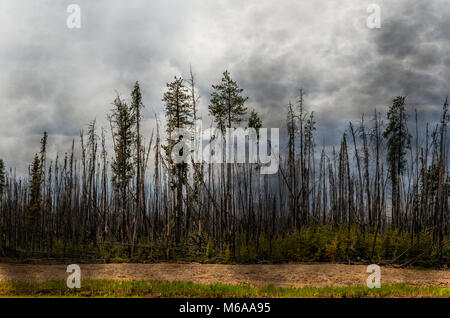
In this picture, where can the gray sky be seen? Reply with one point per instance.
(57, 79)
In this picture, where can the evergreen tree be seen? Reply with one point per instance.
(255, 122)
(177, 106)
(2, 179)
(2, 217)
(292, 181)
(122, 124)
(227, 104)
(178, 115)
(34, 208)
(122, 128)
(43, 153)
(227, 107)
(136, 108)
(398, 140)
(310, 127)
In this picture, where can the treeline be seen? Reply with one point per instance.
(381, 195)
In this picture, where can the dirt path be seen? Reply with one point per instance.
(279, 275)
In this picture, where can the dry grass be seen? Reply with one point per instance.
(296, 275)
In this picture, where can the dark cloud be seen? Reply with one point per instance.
(409, 59)
(58, 80)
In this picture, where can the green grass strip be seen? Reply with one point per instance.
(112, 288)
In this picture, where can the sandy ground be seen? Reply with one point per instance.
(298, 275)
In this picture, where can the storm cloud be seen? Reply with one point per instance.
(57, 79)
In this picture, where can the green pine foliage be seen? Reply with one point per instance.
(227, 103)
(122, 124)
(178, 115)
(2, 177)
